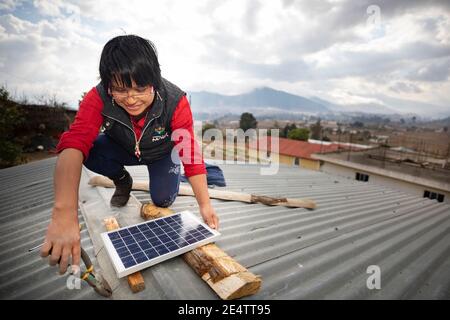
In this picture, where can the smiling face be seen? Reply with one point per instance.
(134, 100)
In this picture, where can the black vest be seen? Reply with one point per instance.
(155, 141)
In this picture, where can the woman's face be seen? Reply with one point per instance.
(133, 100)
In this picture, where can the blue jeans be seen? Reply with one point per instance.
(108, 158)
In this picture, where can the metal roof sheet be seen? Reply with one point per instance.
(325, 253)
(26, 200)
(300, 253)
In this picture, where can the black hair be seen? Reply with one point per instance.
(130, 57)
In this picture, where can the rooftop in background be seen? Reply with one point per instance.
(303, 149)
(396, 160)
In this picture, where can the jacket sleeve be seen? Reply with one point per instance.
(185, 143)
(86, 126)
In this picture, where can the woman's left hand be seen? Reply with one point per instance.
(210, 217)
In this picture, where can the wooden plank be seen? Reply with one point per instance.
(228, 278)
(135, 280)
(186, 190)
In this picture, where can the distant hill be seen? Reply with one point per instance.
(436, 124)
(259, 101)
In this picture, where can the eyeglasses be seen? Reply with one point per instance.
(138, 93)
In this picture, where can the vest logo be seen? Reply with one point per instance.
(159, 134)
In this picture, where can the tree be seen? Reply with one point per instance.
(247, 121)
(358, 124)
(316, 130)
(10, 118)
(299, 134)
(284, 132)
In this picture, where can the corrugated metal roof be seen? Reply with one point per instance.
(26, 200)
(325, 253)
(299, 253)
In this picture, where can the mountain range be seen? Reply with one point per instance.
(260, 101)
(268, 102)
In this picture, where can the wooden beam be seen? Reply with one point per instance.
(228, 278)
(135, 280)
(186, 190)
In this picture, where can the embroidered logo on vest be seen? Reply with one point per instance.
(159, 134)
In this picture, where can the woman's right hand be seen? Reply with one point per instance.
(62, 240)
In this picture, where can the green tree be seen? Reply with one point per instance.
(299, 134)
(247, 121)
(10, 118)
(284, 132)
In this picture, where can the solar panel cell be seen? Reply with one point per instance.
(135, 247)
(140, 257)
(151, 253)
(124, 233)
(128, 261)
(114, 235)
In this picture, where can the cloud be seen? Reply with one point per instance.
(314, 47)
(10, 5)
(43, 58)
(438, 70)
(405, 87)
(48, 7)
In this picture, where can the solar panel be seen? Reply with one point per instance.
(142, 245)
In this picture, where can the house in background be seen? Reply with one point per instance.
(299, 153)
(395, 168)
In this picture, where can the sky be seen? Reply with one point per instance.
(363, 55)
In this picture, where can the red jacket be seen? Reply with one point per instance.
(85, 128)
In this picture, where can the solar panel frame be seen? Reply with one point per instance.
(153, 239)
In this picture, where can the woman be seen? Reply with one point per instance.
(139, 114)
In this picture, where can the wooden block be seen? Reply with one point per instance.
(150, 211)
(200, 266)
(228, 278)
(210, 258)
(135, 280)
(235, 286)
(213, 251)
(111, 224)
(224, 267)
